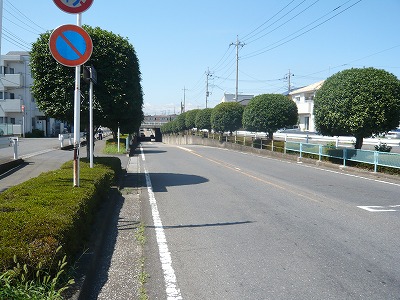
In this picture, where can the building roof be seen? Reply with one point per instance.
(23, 53)
(309, 88)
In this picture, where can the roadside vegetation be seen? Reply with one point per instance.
(46, 224)
(355, 102)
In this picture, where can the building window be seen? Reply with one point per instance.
(12, 120)
(1, 120)
(306, 123)
(297, 98)
(33, 122)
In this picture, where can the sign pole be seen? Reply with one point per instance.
(77, 110)
(91, 117)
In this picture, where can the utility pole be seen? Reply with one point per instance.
(288, 76)
(237, 44)
(184, 99)
(208, 74)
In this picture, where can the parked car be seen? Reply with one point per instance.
(393, 134)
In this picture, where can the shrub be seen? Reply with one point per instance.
(46, 212)
(36, 133)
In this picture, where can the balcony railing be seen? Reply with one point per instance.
(11, 105)
(12, 80)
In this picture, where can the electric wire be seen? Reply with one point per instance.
(25, 16)
(284, 23)
(271, 47)
(245, 37)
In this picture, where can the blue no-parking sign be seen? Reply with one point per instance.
(70, 45)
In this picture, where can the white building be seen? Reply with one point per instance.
(304, 99)
(18, 108)
(242, 99)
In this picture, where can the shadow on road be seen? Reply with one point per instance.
(160, 181)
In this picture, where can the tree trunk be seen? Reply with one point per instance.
(270, 135)
(359, 142)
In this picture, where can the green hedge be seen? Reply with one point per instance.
(46, 212)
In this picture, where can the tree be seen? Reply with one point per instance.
(190, 118)
(203, 119)
(358, 102)
(118, 96)
(227, 116)
(179, 123)
(269, 112)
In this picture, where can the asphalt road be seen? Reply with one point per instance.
(40, 155)
(230, 225)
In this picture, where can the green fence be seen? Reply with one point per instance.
(375, 158)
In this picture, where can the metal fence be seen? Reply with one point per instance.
(10, 129)
(375, 158)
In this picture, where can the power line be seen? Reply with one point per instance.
(284, 23)
(16, 24)
(245, 37)
(271, 47)
(14, 37)
(26, 17)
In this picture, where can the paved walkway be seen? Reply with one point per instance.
(112, 265)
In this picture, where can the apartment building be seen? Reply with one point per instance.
(18, 111)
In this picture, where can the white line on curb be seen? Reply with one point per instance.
(172, 290)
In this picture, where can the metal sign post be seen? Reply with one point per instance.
(71, 46)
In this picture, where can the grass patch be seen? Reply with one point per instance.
(112, 146)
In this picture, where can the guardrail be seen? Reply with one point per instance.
(375, 158)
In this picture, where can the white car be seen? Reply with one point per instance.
(393, 134)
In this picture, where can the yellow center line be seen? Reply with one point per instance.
(236, 169)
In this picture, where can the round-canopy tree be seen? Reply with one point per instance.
(358, 102)
(118, 96)
(269, 112)
(227, 116)
(190, 118)
(203, 119)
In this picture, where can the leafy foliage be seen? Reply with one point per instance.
(269, 112)
(203, 119)
(179, 124)
(118, 96)
(190, 118)
(227, 116)
(358, 102)
(46, 212)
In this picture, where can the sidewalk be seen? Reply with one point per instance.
(112, 264)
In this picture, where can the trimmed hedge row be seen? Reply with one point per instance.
(43, 213)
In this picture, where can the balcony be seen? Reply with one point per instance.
(12, 80)
(11, 105)
(305, 107)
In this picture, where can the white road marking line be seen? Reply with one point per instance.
(376, 208)
(186, 149)
(172, 290)
(36, 153)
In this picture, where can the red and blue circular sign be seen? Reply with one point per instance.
(70, 45)
(73, 6)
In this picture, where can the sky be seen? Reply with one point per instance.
(179, 42)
